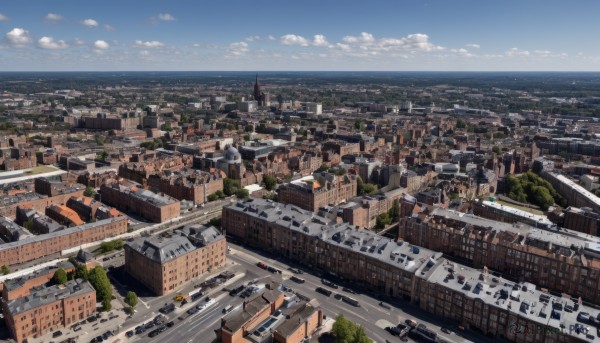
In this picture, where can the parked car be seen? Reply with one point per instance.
(57, 334)
(129, 333)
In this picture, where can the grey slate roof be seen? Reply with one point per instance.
(48, 295)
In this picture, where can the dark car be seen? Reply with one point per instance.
(153, 333)
(346, 289)
(394, 330)
(103, 320)
(192, 311)
(170, 324)
(297, 279)
(323, 291)
(77, 328)
(57, 334)
(129, 333)
(329, 283)
(445, 330)
(99, 339)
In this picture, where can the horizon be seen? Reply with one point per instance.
(384, 35)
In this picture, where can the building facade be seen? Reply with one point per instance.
(155, 207)
(43, 245)
(49, 309)
(324, 190)
(165, 266)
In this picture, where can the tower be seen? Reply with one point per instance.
(258, 96)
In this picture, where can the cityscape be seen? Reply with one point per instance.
(292, 173)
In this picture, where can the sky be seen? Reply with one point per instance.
(258, 35)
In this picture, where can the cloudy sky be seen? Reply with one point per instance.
(398, 35)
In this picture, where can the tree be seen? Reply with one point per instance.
(212, 197)
(99, 139)
(242, 193)
(59, 277)
(460, 124)
(28, 224)
(131, 299)
(167, 126)
(346, 331)
(5, 270)
(81, 272)
(394, 211)
(117, 244)
(323, 167)
(249, 128)
(97, 277)
(89, 192)
(102, 155)
(270, 182)
(230, 186)
(496, 150)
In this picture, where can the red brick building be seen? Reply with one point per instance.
(155, 207)
(165, 265)
(49, 309)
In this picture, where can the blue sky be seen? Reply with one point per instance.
(476, 35)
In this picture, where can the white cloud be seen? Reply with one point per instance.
(101, 45)
(473, 45)
(320, 40)
(238, 48)
(50, 43)
(78, 42)
(270, 37)
(252, 38)
(18, 37)
(3, 17)
(89, 23)
(367, 45)
(53, 17)
(363, 38)
(291, 39)
(516, 52)
(148, 44)
(166, 17)
(109, 27)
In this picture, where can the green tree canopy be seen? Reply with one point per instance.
(270, 182)
(346, 331)
(89, 191)
(99, 280)
(230, 186)
(81, 272)
(59, 277)
(531, 188)
(242, 193)
(131, 299)
(5, 270)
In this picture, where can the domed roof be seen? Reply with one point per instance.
(232, 154)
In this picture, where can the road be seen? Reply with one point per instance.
(374, 318)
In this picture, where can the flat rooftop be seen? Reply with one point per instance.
(522, 299)
(399, 254)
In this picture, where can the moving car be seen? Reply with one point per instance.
(323, 291)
